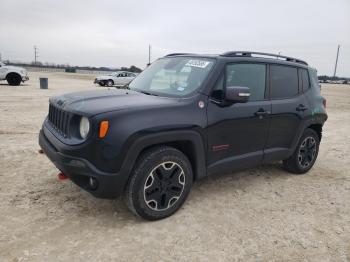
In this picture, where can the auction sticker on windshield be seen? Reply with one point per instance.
(198, 63)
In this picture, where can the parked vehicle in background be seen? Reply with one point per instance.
(120, 78)
(186, 117)
(12, 74)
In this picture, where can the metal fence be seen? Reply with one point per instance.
(62, 70)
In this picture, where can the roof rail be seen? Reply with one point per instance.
(250, 54)
(175, 54)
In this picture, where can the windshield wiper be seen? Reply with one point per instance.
(146, 93)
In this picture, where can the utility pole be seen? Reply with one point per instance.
(336, 62)
(149, 55)
(35, 54)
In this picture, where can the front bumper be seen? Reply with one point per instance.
(109, 185)
(25, 78)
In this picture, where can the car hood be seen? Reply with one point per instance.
(15, 68)
(89, 103)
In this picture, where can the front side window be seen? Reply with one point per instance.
(283, 81)
(173, 76)
(248, 75)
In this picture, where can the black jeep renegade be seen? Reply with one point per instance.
(185, 117)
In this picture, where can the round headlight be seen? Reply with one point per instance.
(84, 127)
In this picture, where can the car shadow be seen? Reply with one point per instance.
(227, 181)
(203, 190)
(5, 84)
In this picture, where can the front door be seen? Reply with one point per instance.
(237, 133)
(2, 71)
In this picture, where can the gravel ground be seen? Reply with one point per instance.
(262, 214)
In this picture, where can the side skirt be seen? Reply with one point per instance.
(236, 163)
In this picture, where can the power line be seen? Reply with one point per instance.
(149, 55)
(336, 61)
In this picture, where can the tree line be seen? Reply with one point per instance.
(66, 66)
(325, 79)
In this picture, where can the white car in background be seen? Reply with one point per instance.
(120, 78)
(12, 74)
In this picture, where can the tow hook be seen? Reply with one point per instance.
(62, 176)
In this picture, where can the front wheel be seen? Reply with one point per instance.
(305, 154)
(14, 79)
(159, 184)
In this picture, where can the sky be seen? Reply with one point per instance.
(117, 33)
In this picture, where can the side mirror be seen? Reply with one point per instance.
(237, 94)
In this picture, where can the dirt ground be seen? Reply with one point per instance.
(263, 214)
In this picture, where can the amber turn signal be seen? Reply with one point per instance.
(103, 129)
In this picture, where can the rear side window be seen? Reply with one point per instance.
(248, 75)
(305, 82)
(283, 81)
(313, 77)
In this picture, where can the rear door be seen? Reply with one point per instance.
(287, 112)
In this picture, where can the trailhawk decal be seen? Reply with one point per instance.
(197, 63)
(220, 147)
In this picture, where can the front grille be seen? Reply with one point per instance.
(59, 119)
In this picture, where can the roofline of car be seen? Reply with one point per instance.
(247, 55)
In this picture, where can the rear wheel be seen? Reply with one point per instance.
(159, 184)
(14, 79)
(305, 154)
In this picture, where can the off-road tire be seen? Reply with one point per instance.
(292, 164)
(150, 160)
(14, 79)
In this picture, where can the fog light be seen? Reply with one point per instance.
(92, 183)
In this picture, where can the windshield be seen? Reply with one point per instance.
(176, 76)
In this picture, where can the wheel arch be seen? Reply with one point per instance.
(310, 123)
(317, 128)
(12, 74)
(190, 143)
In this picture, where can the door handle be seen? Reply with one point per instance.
(262, 112)
(301, 107)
